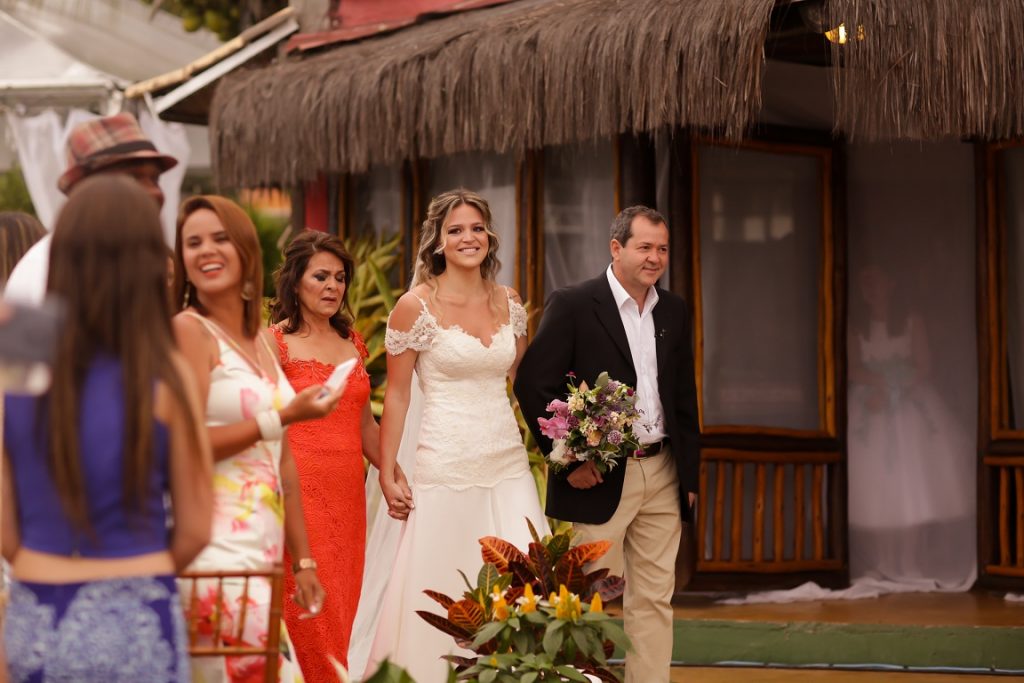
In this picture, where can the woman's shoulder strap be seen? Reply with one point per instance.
(357, 341)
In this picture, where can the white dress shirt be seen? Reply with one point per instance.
(650, 428)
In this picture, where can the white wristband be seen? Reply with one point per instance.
(269, 422)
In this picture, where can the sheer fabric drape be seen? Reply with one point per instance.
(579, 205)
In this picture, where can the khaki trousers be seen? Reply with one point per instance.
(645, 532)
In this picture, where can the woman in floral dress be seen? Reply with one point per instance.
(249, 402)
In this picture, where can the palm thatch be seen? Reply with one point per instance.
(508, 78)
(927, 69)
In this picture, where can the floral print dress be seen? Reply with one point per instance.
(248, 521)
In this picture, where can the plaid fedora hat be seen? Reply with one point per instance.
(99, 143)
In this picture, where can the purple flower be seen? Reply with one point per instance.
(612, 385)
(629, 392)
(573, 422)
(558, 407)
(570, 374)
(615, 437)
(555, 428)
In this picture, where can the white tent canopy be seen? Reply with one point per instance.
(114, 36)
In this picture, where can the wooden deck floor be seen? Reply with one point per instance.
(921, 609)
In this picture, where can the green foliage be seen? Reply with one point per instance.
(371, 298)
(518, 635)
(226, 18)
(386, 673)
(14, 194)
(389, 673)
(269, 229)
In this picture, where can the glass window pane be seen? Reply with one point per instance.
(579, 205)
(760, 245)
(492, 176)
(376, 202)
(1013, 215)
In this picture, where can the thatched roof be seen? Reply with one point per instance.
(532, 73)
(508, 78)
(930, 68)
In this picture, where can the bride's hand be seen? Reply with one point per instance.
(397, 494)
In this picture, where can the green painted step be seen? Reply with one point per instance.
(707, 642)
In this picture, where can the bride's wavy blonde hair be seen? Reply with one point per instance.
(430, 261)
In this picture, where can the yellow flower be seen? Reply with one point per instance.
(500, 606)
(594, 438)
(595, 603)
(494, 661)
(568, 604)
(528, 601)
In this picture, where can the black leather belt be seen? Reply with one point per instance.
(647, 450)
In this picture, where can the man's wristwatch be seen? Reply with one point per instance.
(304, 563)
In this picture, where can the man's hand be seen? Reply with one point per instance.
(585, 476)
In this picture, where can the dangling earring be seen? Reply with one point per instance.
(247, 291)
(187, 299)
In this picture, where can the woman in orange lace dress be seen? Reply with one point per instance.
(314, 334)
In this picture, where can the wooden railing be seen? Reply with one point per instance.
(1007, 473)
(766, 511)
(232, 644)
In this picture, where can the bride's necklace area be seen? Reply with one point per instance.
(495, 326)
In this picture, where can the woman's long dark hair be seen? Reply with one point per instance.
(286, 307)
(108, 263)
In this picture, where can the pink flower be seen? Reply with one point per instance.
(558, 407)
(555, 428)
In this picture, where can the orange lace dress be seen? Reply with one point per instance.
(329, 456)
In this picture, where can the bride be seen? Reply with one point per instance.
(463, 335)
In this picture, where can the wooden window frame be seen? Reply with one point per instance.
(1000, 449)
(828, 349)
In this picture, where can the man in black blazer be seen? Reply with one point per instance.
(622, 323)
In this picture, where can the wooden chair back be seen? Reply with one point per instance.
(189, 588)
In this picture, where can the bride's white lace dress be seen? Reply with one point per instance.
(471, 479)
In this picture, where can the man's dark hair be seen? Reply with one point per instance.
(622, 226)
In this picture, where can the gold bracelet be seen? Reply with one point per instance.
(304, 563)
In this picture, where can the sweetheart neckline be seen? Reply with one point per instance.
(458, 328)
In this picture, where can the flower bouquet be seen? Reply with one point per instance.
(592, 424)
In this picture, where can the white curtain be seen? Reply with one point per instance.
(492, 176)
(377, 202)
(41, 140)
(912, 389)
(579, 205)
(912, 414)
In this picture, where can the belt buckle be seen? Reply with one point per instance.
(648, 450)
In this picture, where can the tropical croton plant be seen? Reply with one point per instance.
(534, 616)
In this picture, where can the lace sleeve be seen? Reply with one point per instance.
(517, 317)
(418, 338)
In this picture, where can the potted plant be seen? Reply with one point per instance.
(534, 616)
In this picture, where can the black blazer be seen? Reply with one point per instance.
(582, 332)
